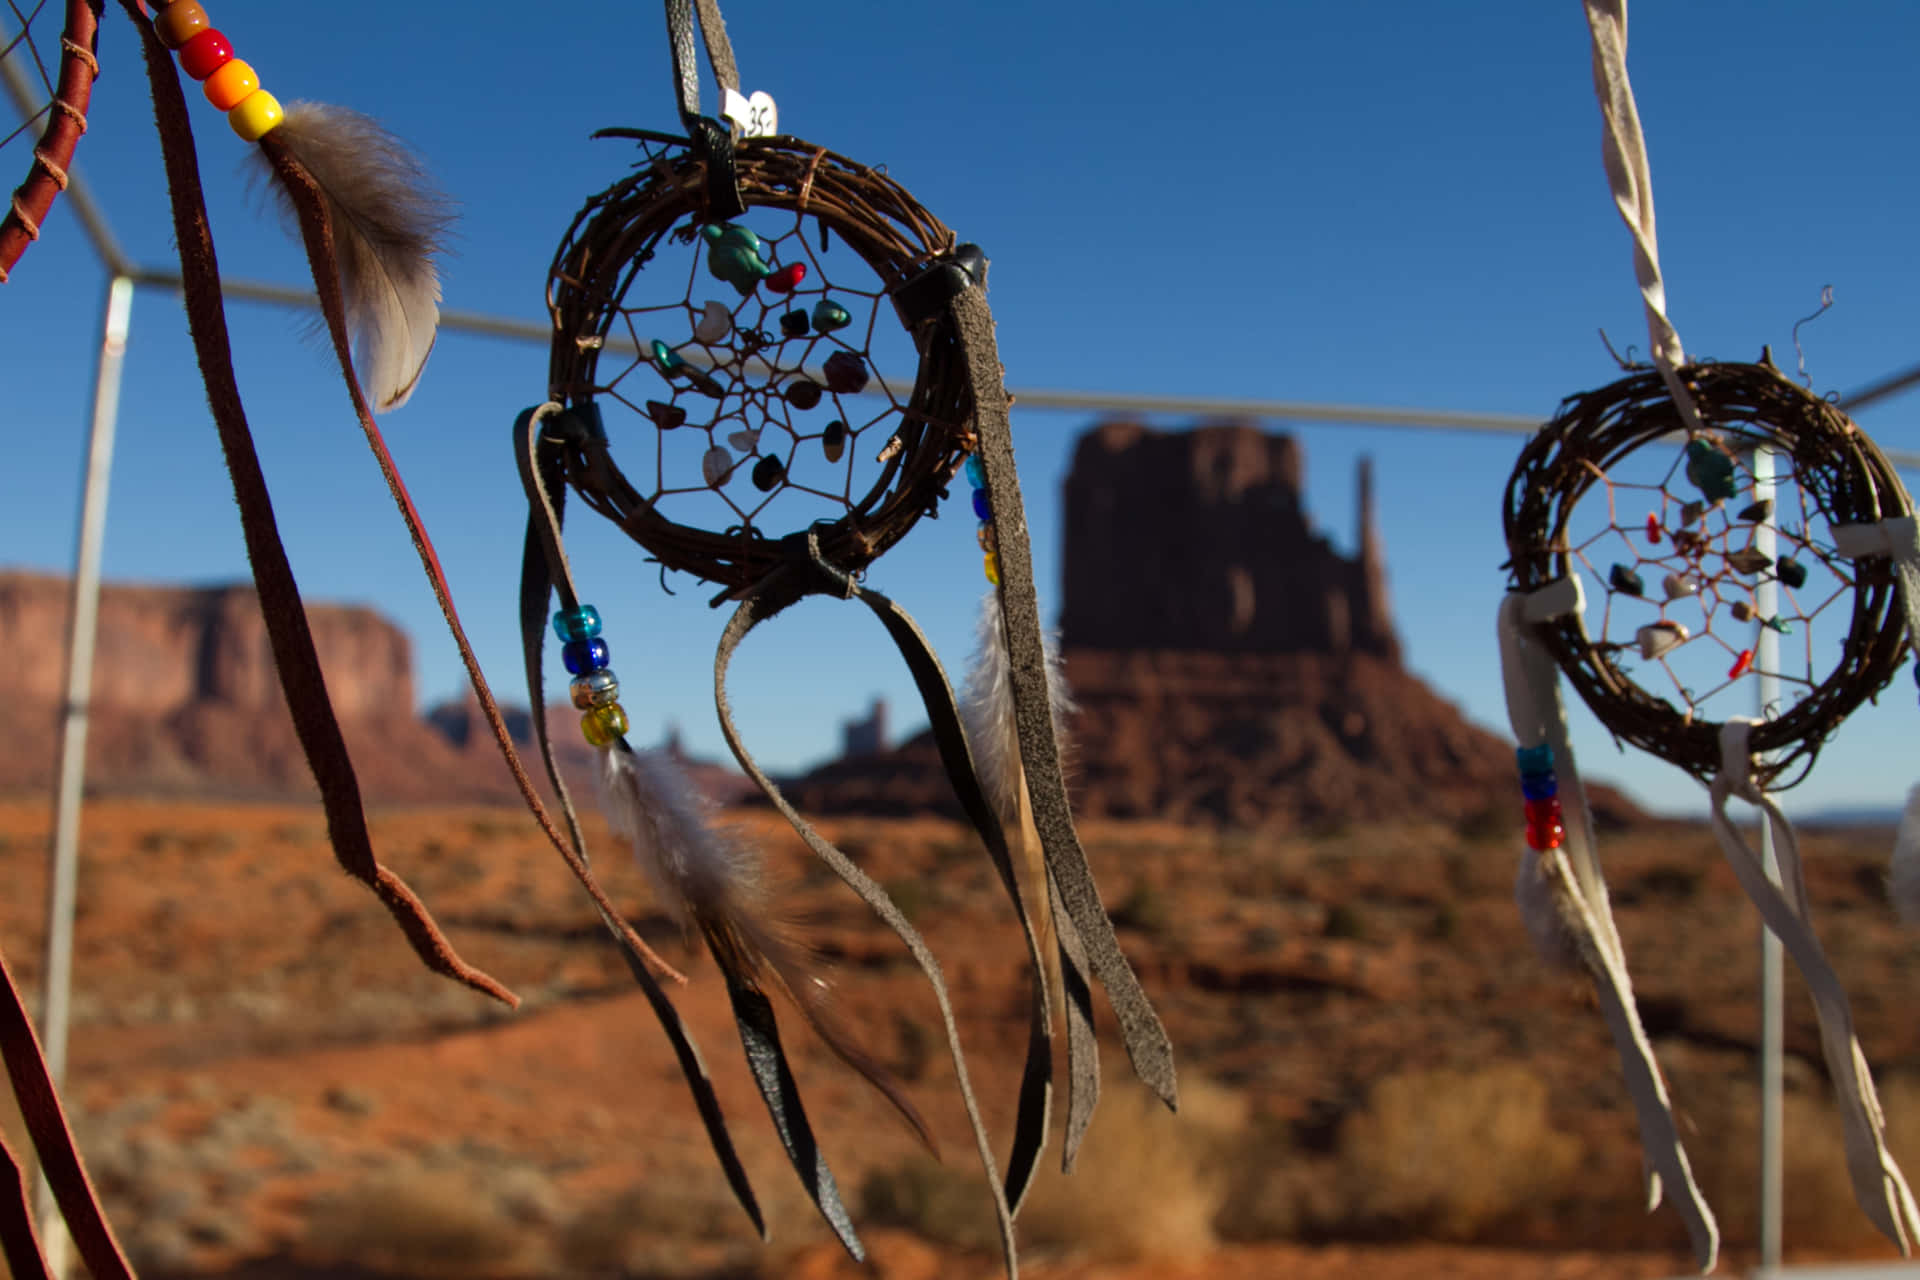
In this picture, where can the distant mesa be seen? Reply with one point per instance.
(1230, 665)
(187, 701)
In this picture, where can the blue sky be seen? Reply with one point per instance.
(1376, 203)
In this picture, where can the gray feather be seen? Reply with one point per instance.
(987, 711)
(388, 223)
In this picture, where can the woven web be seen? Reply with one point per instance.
(30, 37)
(736, 439)
(1692, 583)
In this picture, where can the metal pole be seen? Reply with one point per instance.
(1766, 599)
(64, 857)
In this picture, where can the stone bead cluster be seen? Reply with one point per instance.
(1541, 791)
(206, 55)
(595, 689)
(983, 510)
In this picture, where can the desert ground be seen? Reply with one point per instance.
(1379, 1078)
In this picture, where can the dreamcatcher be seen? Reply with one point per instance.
(369, 223)
(1727, 516)
(725, 313)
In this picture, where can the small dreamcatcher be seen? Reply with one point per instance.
(727, 315)
(1739, 529)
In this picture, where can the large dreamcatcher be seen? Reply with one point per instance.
(1732, 529)
(726, 318)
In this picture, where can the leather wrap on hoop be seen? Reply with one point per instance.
(1842, 472)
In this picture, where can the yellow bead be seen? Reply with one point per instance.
(257, 115)
(602, 725)
(230, 84)
(178, 23)
(992, 566)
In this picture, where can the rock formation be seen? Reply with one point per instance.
(1230, 666)
(1198, 541)
(186, 700)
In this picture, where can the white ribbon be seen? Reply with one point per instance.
(1573, 878)
(1897, 538)
(1623, 148)
(1877, 1181)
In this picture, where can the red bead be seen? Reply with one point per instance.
(787, 278)
(1543, 810)
(1740, 664)
(205, 54)
(1653, 527)
(1545, 836)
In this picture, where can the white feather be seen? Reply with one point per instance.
(986, 709)
(698, 868)
(1553, 937)
(388, 221)
(1904, 875)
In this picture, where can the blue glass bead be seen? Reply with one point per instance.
(579, 623)
(981, 507)
(1535, 760)
(1539, 786)
(582, 656)
(976, 474)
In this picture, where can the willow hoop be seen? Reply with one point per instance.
(619, 233)
(1843, 476)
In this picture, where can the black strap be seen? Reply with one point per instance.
(710, 140)
(1078, 897)
(538, 457)
(785, 586)
(943, 717)
(767, 1060)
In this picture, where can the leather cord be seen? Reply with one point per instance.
(784, 587)
(711, 141)
(543, 566)
(1077, 895)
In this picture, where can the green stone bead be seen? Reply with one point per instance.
(734, 256)
(1710, 471)
(829, 315)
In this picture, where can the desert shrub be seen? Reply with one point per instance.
(420, 1223)
(1448, 1155)
(1147, 1184)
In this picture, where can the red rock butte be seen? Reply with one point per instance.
(1229, 664)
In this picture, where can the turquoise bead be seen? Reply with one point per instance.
(734, 256)
(1621, 578)
(1535, 760)
(581, 622)
(976, 474)
(829, 315)
(666, 359)
(1710, 471)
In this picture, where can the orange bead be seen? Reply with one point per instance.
(178, 23)
(229, 86)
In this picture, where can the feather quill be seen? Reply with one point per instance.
(388, 224)
(704, 872)
(986, 710)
